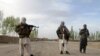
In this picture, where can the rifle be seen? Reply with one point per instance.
(32, 26)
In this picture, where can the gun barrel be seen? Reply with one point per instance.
(33, 26)
(37, 27)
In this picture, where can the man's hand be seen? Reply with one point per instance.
(31, 28)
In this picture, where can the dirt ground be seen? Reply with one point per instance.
(50, 48)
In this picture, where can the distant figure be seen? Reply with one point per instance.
(84, 33)
(63, 35)
(24, 30)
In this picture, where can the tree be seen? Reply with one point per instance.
(8, 24)
(97, 37)
(34, 33)
(72, 33)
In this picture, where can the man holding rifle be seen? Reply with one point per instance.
(24, 30)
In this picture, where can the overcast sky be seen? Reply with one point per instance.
(47, 14)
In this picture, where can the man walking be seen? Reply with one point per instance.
(63, 35)
(24, 30)
(84, 33)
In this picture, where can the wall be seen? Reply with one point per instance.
(8, 39)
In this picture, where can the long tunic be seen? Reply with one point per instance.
(84, 33)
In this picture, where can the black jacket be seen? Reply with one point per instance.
(65, 32)
(23, 29)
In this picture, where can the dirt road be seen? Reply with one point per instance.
(48, 48)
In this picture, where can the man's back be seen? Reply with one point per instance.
(23, 29)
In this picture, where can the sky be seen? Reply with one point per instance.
(48, 14)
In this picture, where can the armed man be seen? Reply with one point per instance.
(84, 33)
(24, 30)
(63, 35)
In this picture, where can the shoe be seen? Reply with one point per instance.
(22, 55)
(63, 44)
(67, 52)
(80, 51)
(31, 55)
(61, 52)
(84, 52)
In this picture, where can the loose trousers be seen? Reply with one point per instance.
(24, 44)
(62, 43)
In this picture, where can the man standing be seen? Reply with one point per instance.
(63, 35)
(84, 33)
(24, 31)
